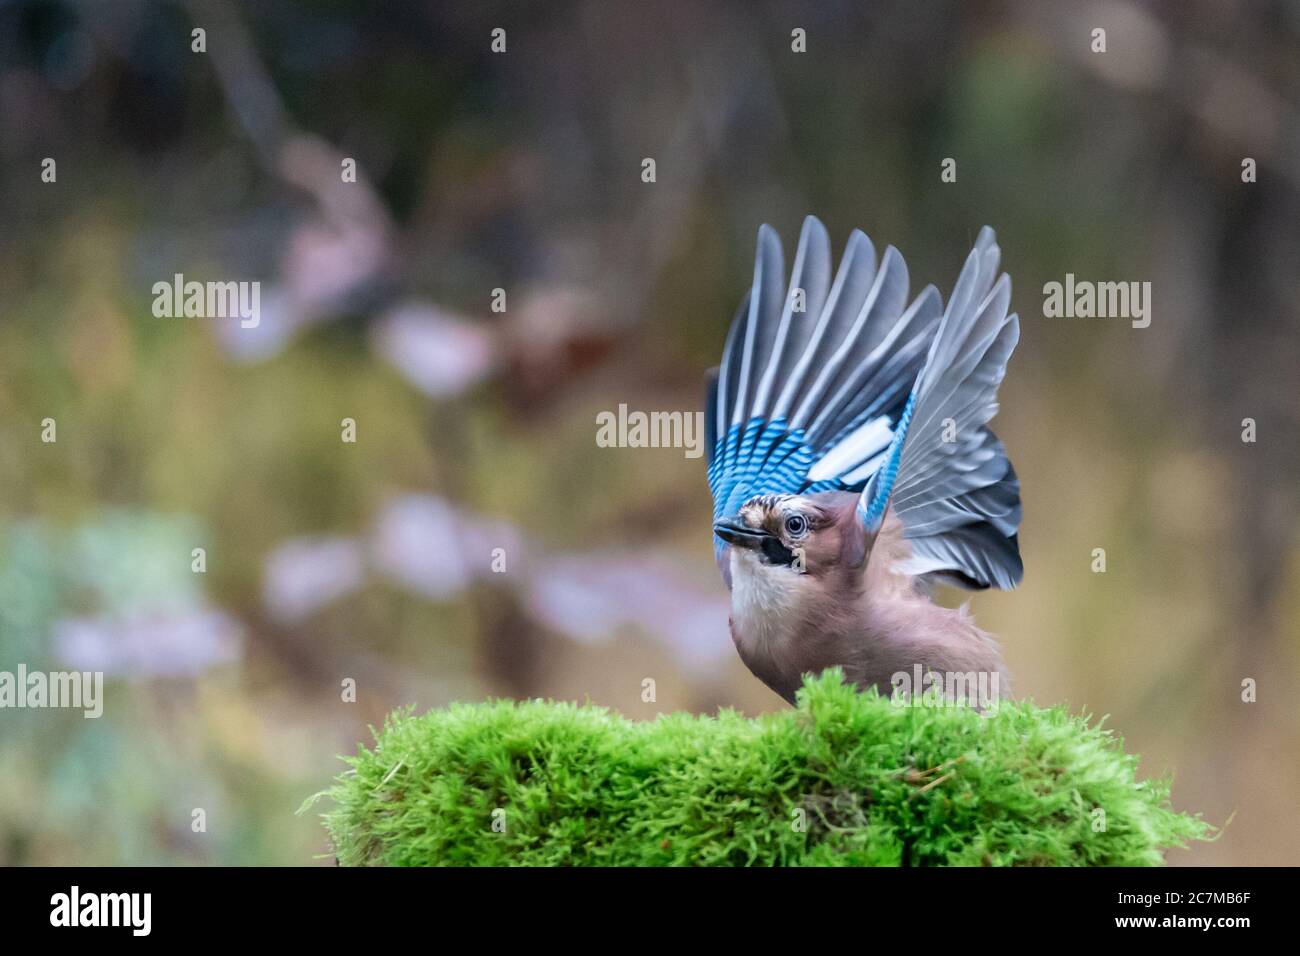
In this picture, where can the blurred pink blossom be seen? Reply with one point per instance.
(436, 549)
(305, 574)
(440, 354)
(591, 597)
(173, 643)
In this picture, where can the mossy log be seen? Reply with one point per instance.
(846, 779)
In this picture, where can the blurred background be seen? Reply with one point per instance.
(521, 171)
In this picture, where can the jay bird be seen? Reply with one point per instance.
(852, 468)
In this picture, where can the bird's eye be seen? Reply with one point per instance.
(796, 525)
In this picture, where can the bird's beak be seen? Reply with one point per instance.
(734, 531)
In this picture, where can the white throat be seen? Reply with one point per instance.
(766, 600)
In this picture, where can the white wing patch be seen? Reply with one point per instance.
(868, 441)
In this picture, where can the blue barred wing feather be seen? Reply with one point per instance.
(816, 372)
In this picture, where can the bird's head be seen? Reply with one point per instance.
(805, 534)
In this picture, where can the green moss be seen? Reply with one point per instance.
(873, 784)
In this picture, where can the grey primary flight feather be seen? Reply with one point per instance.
(959, 499)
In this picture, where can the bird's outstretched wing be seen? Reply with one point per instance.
(946, 476)
(815, 376)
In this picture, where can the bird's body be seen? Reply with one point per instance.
(852, 470)
(872, 622)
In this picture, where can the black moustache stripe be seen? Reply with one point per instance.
(775, 552)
